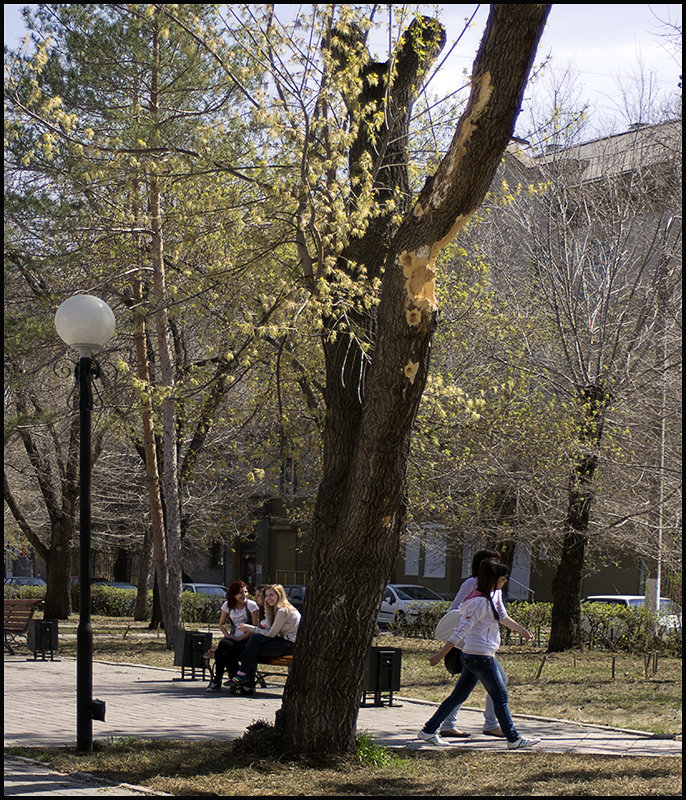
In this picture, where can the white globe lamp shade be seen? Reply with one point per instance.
(85, 323)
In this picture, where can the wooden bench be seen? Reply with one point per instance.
(17, 615)
(278, 661)
(260, 675)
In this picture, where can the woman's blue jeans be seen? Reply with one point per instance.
(490, 719)
(487, 670)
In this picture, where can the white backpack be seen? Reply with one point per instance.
(446, 625)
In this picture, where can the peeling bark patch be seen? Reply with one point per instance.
(440, 186)
(419, 266)
(411, 370)
(419, 269)
(420, 283)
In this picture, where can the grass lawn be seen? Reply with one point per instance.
(570, 686)
(215, 769)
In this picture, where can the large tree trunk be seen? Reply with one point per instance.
(58, 572)
(361, 503)
(141, 611)
(170, 481)
(60, 493)
(565, 630)
(156, 532)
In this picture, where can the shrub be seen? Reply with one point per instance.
(604, 626)
(197, 607)
(611, 626)
(535, 617)
(531, 615)
(24, 591)
(423, 625)
(106, 601)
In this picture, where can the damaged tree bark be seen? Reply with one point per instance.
(361, 503)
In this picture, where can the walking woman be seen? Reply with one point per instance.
(478, 636)
(491, 728)
(237, 609)
(282, 621)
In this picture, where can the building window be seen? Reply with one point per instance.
(217, 554)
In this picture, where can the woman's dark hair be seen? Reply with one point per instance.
(489, 572)
(233, 590)
(262, 588)
(480, 556)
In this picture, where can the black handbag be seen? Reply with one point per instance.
(453, 661)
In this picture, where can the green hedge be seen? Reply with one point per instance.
(109, 601)
(200, 608)
(24, 591)
(423, 625)
(631, 630)
(603, 626)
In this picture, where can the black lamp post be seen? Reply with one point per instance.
(85, 323)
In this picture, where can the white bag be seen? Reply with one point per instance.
(446, 625)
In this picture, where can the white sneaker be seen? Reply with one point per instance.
(433, 739)
(521, 743)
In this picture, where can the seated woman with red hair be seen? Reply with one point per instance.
(236, 610)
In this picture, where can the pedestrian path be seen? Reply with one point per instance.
(153, 703)
(27, 778)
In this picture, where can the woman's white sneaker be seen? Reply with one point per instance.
(433, 739)
(522, 743)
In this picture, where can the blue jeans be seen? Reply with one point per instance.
(490, 719)
(487, 670)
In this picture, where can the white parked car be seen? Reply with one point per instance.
(402, 602)
(205, 588)
(669, 614)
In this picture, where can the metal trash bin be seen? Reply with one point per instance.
(382, 674)
(189, 649)
(41, 635)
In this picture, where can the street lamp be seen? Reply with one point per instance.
(85, 323)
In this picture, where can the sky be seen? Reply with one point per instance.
(602, 45)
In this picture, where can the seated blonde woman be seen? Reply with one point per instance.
(278, 639)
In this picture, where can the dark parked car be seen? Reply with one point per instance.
(295, 594)
(24, 580)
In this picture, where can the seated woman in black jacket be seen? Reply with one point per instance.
(236, 610)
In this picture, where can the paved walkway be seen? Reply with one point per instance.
(152, 703)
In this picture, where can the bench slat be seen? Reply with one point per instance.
(278, 661)
(17, 613)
